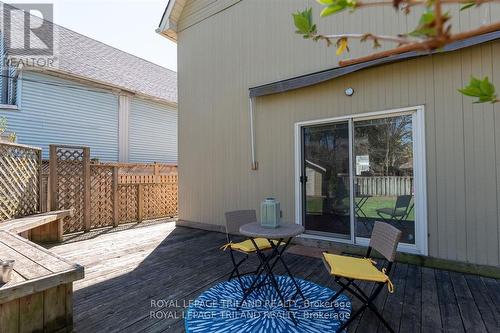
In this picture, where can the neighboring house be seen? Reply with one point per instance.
(256, 100)
(123, 107)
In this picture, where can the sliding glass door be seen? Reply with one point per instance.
(325, 178)
(383, 175)
(358, 170)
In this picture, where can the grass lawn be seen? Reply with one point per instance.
(315, 205)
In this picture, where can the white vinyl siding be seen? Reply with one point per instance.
(53, 113)
(152, 132)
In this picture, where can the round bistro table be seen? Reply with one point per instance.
(279, 238)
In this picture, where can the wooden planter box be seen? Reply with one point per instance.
(39, 297)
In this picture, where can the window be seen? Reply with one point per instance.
(9, 86)
(8, 79)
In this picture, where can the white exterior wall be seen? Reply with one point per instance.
(152, 132)
(50, 113)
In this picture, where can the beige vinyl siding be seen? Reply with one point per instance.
(462, 139)
(272, 41)
(198, 10)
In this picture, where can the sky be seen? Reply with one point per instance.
(128, 25)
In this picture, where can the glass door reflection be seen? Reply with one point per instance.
(325, 179)
(383, 167)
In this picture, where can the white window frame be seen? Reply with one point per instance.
(419, 172)
(19, 86)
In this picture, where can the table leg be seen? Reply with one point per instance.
(280, 258)
(262, 267)
(264, 263)
(280, 295)
(270, 273)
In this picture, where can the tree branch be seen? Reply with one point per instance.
(439, 19)
(395, 39)
(427, 45)
(360, 4)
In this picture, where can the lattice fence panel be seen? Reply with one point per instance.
(127, 199)
(160, 200)
(19, 180)
(171, 190)
(151, 201)
(101, 196)
(71, 186)
(107, 194)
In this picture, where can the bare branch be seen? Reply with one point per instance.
(360, 4)
(395, 39)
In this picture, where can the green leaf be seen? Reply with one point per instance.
(332, 10)
(484, 99)
(300, 23)
(483, 89)
(326, 2)
(427, 17)
(335, 6)
(487, 88)
(423, 32)
(303, 21)
(471, 91)
(426, 26)
(467, 6)
(474, 82)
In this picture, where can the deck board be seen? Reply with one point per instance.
(392, 308)
(412, 303)
(489, 313)
(471, 317)
(125, 270)
(431, 313)
(450, 313)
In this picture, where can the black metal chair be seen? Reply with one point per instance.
(399, 212)
(347, 270)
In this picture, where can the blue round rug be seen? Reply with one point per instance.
(215, 310)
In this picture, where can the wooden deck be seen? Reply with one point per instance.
(127, 270)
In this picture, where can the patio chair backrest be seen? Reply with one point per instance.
(403, 201)
(235, 219)
(385, 239)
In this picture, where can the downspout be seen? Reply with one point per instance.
(255, 164)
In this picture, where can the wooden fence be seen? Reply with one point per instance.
(108, 194)
(20, 172)
(384, 186)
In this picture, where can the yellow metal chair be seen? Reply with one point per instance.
(346, 270)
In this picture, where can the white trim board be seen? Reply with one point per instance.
(123, 127)
(419, 167)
